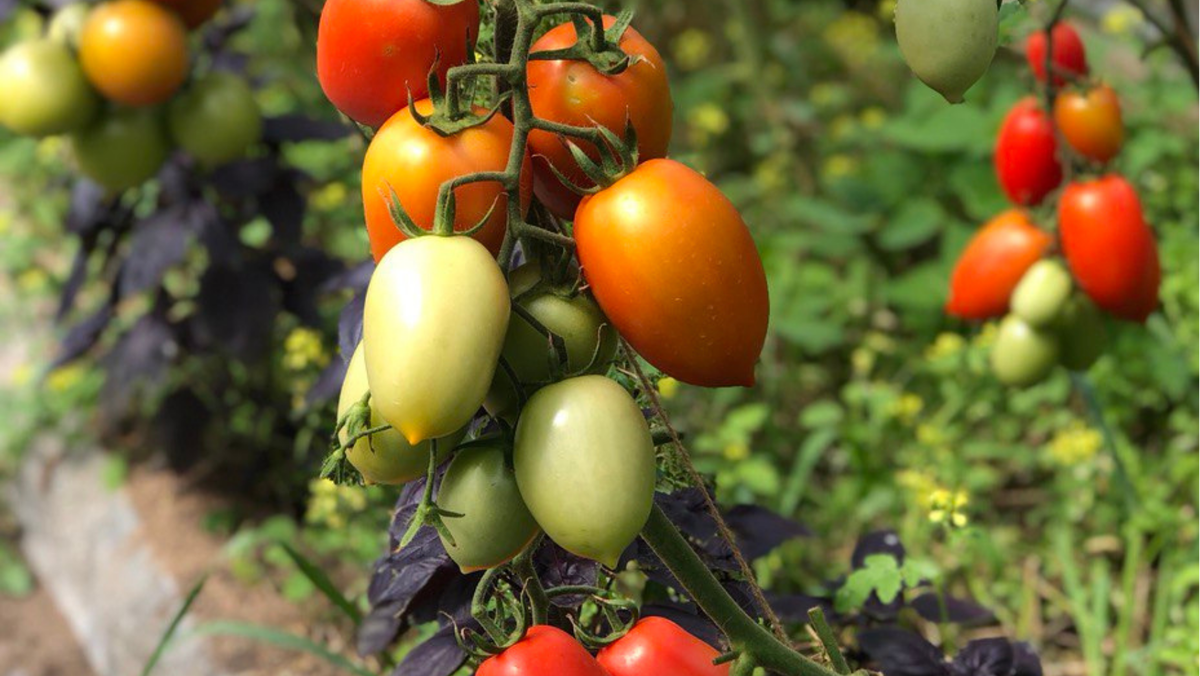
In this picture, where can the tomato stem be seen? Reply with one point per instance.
(539, 601)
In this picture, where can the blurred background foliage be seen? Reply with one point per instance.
(1072, 518)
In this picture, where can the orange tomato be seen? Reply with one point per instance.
(1091, 122)
(193, 12)
(134, 51)
(414, 161)
(993, 263)
(673, 266)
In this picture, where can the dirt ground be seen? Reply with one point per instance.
(36, 641)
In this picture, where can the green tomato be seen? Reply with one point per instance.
(67, 24)
(948, 44)
(495, 524)
(216, 119)
(1042, 294)
(434, 322)
(122, 149)
(385, 457)
(585, 466)
(45, 90)
(1023, 355)
(1082, 334)
(589, 339)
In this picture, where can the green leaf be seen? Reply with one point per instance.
(322, 582)
(824, 413)
(914, 223)
(880, 574)
(174, 625)
(281, 639)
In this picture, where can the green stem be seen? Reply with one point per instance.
(828, 640)
(538, 599)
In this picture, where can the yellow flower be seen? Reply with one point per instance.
(771, 173)
(1122, 19)
(920, 484)
(691, 48)
(736, 451)
(1075, 444)
(906, 408)
(945, 507)
(862, 360)
(303, 348)
(873, 117)
(329, 197)
(21, 375)
(668, 387)
(66, 377)
(929, 434)
(32, 280)
(947, 344)
(706, 121)
(330, 504)
(853, 36)
(839, 166)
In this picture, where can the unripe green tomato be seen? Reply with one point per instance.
(122, 149)
(434, 322)
(1042, 294)
(1023, 355)
(44, 90)
(589, 339)
(585, 466)
(1082, 333)
(495, 524)
(385, 457)
(948, 44)
(216, 119)
(67, 24)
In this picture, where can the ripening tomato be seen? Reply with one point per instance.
(134, 51)
(216, 119)
(387, 457)
(948, 44)
(657, 646)
(1042, 295)
(576, 93)
(1081, 334)
(414, 161)
(1109, 247)
(585, 466)
(544, 651)
(1091, 122)
(673, 266)
(589, 339)
(1026, 158)
(371, 54)
(433, 325)
(122, 149)
(993, 263)
(495, 524)
(1070, 58)
(193, 12)
(1023, 355)
(45, 91)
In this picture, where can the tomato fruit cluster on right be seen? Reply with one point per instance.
(1052, 293)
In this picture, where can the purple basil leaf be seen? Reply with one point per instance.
(877, 542)
(439, 655)
(902, 653)
(759, 530)
(218, 33)
(81, 337)
(311, 268)
(7, 7)
(559, 568)
(300, 128)
(378, 629)
(686, 616)
(178, 428)
(328, 384)
(158, 243)
(138, 361)
(795, 607)
(984, 657)
(354, 278)
(284, 207)
(90, 207)
(350, 325)
(1025, 660)
(245, 178)
(959, 611)
(235, 312)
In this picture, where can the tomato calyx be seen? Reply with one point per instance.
(600, 48)
(618, 157)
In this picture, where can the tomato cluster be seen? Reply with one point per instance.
(1012, 267)
(112, 78)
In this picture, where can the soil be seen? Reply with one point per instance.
(36, 640)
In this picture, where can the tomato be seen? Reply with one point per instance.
(585, 466)
(45, 91)
(433, 325)
(1026, 158)
(1070, 58)
(193, 12)
(1022, 355)
(576, 93)
(414, 161)
(216, 119)
(545, 651)
(1109, 247)
(495, 524)
(67, 24)
(1081, 334)
(657, 646)
(386, 458)
(589, 339)
(1091, 122)
(1042, 294)
(372, 53)
(122, 149)
(993, 263)
(948, 44)
(673, 266)
(134, 51)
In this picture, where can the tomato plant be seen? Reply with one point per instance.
(1091, 122)
(1023, 355)
(216, 119)
(544, 651)
(123, 148)
(656, 645)
(992, 265)
(134, 51)
(1026, 157)
(948, 44)
(1069, 56)
(45, 89)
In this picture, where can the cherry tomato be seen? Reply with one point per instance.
(45, 91)
(1070, 58)
(495, 524)
(1109, 247)
(948, 44)
(216, 119)
(1081, 334)
(576, 93)
(372, 53)
(673, 266)
(414, 161)
(387, 457)
(1042, 294)
(545, 651)
(1091, 122)
(122, 149)
(1022, 355)
(585, 466)
(134, 51)
(657, 646)
(193, 12)
(433, 325)
(1026, 158)
(993, 263)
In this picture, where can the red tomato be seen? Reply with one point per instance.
(1109, 247)
(674, 268)
(1091, 122)
(1027, 155)
(575, 93)
(545, 651)
(414, 161)
(658, 647)
(371, 53)
(993, 263)
(1070, 58)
